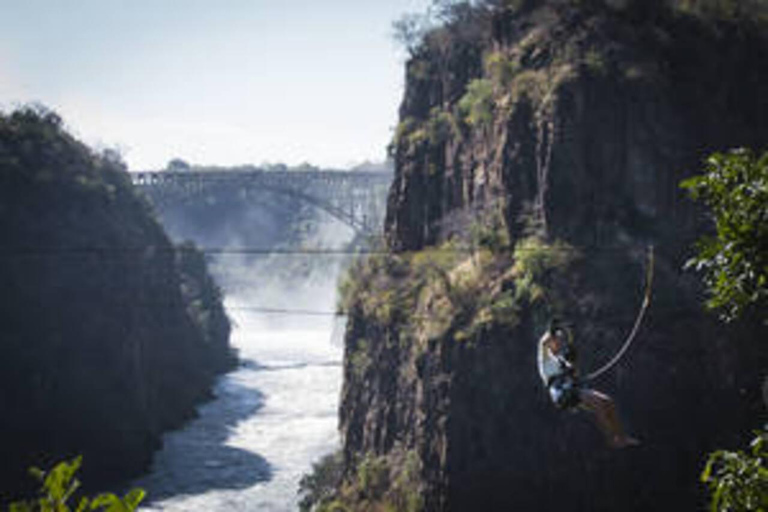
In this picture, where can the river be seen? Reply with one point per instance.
(270, 419)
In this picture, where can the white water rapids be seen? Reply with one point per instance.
(270, 419)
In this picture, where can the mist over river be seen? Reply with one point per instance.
(277, 412)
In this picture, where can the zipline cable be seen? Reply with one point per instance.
(635, 328)
(6, 252)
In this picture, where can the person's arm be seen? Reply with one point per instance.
(566, 363)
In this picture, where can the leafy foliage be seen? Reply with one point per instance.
(478, 102)
(437, 128)
(458, 288)
(738, 481)
(440, 125)
(372, 476)
(501, 68)
(445, 22)
(734, 187)
(58, 490)
(535, 261)
(318, 488)
(409, 30)
(374, 483)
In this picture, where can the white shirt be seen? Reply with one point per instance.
(549, 365)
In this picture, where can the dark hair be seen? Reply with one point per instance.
(555, 325)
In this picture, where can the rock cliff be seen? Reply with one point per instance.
(110, 334)
(539, 154)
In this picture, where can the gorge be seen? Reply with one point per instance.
(119, 312)
(277, 258)
(223, 336)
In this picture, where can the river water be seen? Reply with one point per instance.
(270, 419)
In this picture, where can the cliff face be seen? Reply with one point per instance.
(110, 335)
(560, 135)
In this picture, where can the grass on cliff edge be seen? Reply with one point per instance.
(453, 288)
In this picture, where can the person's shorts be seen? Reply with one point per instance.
(564, 391)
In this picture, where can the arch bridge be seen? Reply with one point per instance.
(354, 197)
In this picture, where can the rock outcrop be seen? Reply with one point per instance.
(552, 131)
(110, 334)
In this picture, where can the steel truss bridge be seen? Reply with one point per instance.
(356, 198)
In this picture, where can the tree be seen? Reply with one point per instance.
(178, 165)
(59, 488)
(409, 31)
(734, 261)
(738, 481)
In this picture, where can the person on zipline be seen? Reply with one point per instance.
(558, 372)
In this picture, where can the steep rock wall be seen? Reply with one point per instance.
(110, 335)
(594, 118)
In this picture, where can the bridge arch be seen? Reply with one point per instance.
(354, 198)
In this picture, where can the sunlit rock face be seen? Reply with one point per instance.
(111, 334)
(592, 122)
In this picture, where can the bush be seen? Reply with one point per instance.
(440, 125)
(478, 103)
(500, 68)
(425, 294)
(535, 261)
(319, 487)
(372, 476)
(734, 262)
(738, 481)
(59, 487)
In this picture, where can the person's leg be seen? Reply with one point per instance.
(604, 409)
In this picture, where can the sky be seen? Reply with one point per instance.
(214, 82)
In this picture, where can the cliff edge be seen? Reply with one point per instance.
(111, 335)
(538, 156)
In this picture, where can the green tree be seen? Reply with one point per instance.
(59, 487)
(734, 261)
(738, 481)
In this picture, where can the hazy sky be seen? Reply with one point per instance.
(211, 81)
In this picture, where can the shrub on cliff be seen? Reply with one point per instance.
(478, 103)
(461, 286)
(318, 487)
(377, 484)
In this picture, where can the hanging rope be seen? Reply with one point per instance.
(638, 321)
